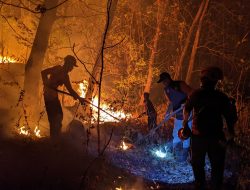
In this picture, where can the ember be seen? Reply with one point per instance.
(123, 146)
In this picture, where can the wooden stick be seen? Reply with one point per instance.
(63, 92)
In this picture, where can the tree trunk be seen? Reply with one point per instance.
(92, 85)
(195, 45)
(187, 42)
(160, 16)
(109, 5)
(34, 64)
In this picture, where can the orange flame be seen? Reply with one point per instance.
(82, 88)
(123, 146)
(37, 132)
(26, 132)
(4, 59)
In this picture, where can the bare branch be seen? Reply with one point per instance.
(116, 44)
(73, 50)
(57, 5)
(15, 30)
(109, 3)
(77, 16)
(87, 5)
(18, 6)
(38, 9)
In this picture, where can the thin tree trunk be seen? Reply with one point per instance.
(109, 5)
(92, 85)
(160, 16)
(36, 58)
(187, 42)
(195, 45)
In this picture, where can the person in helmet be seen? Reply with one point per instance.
(209, 106)
(176, 93)
(53, 78)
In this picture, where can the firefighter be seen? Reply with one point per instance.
(53, 78)
(150, 111)
(209, 106)
(176, 93)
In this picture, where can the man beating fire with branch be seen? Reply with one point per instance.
(53, 78)
(176, 93)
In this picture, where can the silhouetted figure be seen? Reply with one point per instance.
(209, 106)
(176, 93)
(150, 111)
(52, 78)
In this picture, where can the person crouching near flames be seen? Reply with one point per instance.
(150, 111)
(176, 93)
(209, 106)
(53, 78)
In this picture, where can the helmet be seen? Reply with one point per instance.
(184, 133)
(212, 73)
(70, 60)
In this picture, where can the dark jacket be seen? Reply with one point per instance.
(209, 107)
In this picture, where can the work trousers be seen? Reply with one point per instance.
(55, 115)
(215, 148)
(152, 119)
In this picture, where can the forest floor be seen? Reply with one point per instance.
(40, 164)
(69, 164)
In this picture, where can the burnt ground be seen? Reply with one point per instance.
(38, 164)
